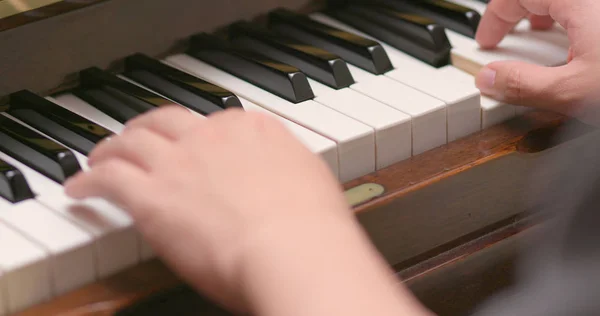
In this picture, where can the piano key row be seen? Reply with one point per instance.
(360, 97)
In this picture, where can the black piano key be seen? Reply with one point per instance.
(359, 51)
(195, 93)
(36, 151)
(278, 78)
(56, 121)
(415, 35)
(13, 185)
(315, 62)
(109, 105)
(116, 97)
(453, 16)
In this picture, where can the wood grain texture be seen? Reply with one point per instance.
(460, 280)
(451, 283)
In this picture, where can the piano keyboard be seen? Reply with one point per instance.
(364, 86)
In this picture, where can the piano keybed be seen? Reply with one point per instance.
(363, 98)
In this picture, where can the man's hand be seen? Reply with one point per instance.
(571, 89)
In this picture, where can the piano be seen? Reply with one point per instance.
(382, 90)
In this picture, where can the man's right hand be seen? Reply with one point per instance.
(571, 89)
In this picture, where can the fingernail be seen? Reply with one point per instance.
(486, 79)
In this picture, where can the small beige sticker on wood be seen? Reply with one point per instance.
(363, 193)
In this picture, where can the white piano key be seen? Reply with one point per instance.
(116, 242)
(109, 210)
(70, 248)
(393, 132)
(355, 140)
(85, 110)
(318, 144)
(24, 273)
(428, 114)
(454, 87)
(494, 112)
(548, 47)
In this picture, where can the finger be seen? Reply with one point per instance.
(219, 125)
(116, 180)
(525, 84)
(541, 22)
(171, 122)
(497, 21)
(502, 15)
(140, 147)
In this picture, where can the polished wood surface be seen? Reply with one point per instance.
(452, 283)
(457, 189)
(430, 204)
(461, 280)
(518, 136)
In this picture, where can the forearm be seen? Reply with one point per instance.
(325, 268)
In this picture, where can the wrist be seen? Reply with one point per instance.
(293, 244)
(323, 266)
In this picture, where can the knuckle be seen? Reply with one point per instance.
(262, 122)
(102, 146)
(573, 89)
(107, 171)
(231, 123)
(104, 176)
(514, 85)
(208, 130)
(135, 136)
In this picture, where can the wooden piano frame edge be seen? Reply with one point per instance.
(488, 261)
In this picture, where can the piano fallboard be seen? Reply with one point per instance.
(67, 36)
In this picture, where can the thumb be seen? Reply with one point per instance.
(520, 83)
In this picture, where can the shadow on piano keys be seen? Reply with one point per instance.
(434, 171)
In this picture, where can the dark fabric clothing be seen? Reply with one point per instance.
(560, 271)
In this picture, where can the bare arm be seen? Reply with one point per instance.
(326, 268)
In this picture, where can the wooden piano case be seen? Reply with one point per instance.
(447, 220)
